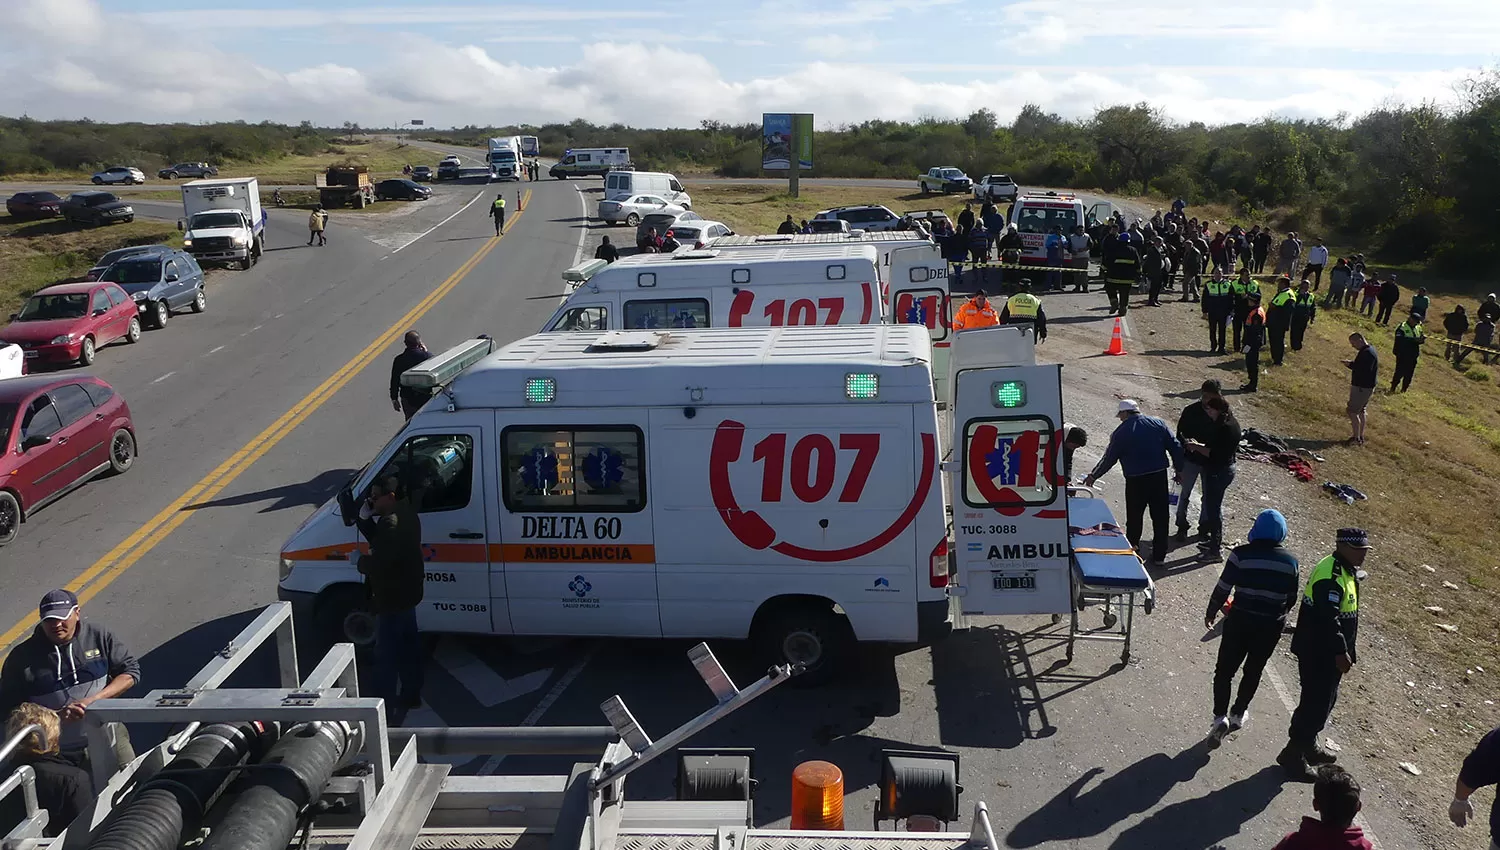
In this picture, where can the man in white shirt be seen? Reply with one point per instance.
(1317, 257)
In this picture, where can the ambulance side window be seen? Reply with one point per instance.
(601, 468)
(583, 319)
(674, 313)
(1007, 462)
(436, 470)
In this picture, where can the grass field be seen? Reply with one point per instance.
(760, 208)
(383, 157)
(34, 254)
(1429, 466)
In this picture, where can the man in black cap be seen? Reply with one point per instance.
(1324, 643)
(407, 399)
(67, 664)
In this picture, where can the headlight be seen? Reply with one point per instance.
(138, 296)
(62, 340)
(187, 243)
(240, 239)
(286, 568)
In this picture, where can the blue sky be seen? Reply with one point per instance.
(651, 63)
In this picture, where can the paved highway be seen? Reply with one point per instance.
(256, 411)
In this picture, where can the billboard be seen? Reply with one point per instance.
(778, 129)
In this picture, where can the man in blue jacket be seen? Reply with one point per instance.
(1144, 446)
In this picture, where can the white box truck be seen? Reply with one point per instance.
(505, 158)
(223, 221)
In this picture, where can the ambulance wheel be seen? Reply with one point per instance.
(343, 616)
(808, 634)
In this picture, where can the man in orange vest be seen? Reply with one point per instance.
(976, 313)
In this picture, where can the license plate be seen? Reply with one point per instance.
(1003, 582)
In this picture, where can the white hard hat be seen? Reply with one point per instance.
(1128, 405)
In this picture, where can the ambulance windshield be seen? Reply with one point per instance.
(1043, 219)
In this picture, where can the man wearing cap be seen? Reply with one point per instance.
(1490, 309)
(1262, 575)
(1324, 643)
(1144, 446)
(1025, 310)
(1279, 318)
(67, 664)
(1410, 336)
(1254, 338)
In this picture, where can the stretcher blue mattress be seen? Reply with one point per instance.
(1120, 572)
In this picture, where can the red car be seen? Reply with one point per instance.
(67, 323)
(56, 433)
(33, 205)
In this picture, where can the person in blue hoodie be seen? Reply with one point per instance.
(1263, 577)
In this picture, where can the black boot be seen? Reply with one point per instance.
(1294, 762)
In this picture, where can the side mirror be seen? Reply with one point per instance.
(171, 277)
(348, 510)
(101, 311)
(34, 441)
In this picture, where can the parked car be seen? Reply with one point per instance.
(33, 205)
(663, 221)
(125, 174)
(996, 187)
(828, 225)
(863, 217)
(698, 234)
(96, 208)
(56, 433)
(422, 173)
(188, 169)
(448, 170)
(159, 284)
(928, 218)
(401, 189)
(69, 322)
(450, 159)
(945, 179)
(632, 209)
(118, 254)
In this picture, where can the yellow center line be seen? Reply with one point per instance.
(122, 557)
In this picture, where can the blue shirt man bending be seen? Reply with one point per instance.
(1144, 446)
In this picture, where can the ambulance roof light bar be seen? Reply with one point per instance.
(436, 372)
(583, 271)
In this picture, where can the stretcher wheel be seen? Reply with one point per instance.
(1148, 605)
(1056, 618)
(1110, 619)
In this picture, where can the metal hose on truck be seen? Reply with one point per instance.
(262, 809)
(163, 812)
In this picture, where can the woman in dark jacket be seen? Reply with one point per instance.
(1216, 455)
(62, 788)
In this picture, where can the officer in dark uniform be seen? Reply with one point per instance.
(1025, 310)
(1409, 338)
(1304, 310)
(1122, 268)
(1279, 318)
(1241, 288)
(1218, 304)
(1324, 643)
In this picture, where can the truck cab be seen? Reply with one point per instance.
(223, 221)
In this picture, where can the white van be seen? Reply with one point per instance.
(779, 483)
(1035, 214)
(831, 283)
(619, 185)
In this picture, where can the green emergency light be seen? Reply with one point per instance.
(1009, 393)
(540, 390)
(862, 385)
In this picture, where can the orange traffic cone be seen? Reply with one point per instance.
(1116, 340)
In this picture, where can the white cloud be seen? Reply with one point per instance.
(52, 71)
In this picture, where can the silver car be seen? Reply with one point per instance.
(697, 234)
(664, 221)
(632, 209)
(126, 174)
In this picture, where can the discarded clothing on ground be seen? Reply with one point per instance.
(1255, 440)
(1343, 492)
(1286, 460)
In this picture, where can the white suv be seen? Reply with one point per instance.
(864, 217)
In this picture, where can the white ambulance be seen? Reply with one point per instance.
(777, 484)
(1035, 214)
(836, 283)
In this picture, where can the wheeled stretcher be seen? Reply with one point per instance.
(1105, 570)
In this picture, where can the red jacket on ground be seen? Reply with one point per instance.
(1316, 835)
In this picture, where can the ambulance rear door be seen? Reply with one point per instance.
(843, 291)
(576, 532)
(917, 291)
(1010, 518)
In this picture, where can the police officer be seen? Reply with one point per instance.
(1241, 288)
(1218, 304)
(1304, 310)
(1327, 625)
(1279, 318)
(975, 313)
(1122, 268)
(1255, 337)
(1409, 338)
(1025, 310)
(497, 212)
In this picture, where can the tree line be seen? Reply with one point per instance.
(1408, 184)
(28, 146)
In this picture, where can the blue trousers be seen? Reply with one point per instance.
(398, 658)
